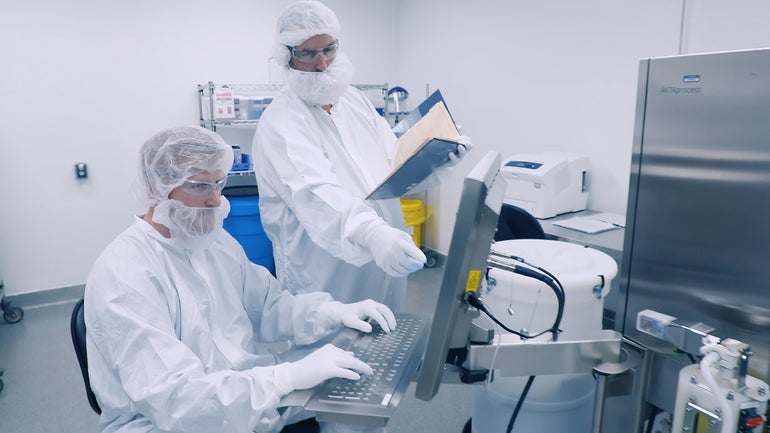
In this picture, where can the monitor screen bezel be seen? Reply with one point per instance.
(474, 229)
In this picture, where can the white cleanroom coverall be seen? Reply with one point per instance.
(173, 335)
(314, 170)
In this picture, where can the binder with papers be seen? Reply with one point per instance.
(425, 138)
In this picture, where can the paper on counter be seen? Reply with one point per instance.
(609, 217)
(586, 224)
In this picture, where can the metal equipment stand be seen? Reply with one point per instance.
(598, 352)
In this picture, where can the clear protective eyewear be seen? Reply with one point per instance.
(309, 56)
(201, 189)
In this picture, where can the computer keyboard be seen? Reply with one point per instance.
(387, 354)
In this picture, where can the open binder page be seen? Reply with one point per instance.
(437, 123)
(422, 148)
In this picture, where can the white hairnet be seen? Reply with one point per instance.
(171, 156)
(299, 22)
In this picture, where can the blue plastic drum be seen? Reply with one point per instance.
(245, 225)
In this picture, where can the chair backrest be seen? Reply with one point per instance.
(517, 223)
(78, 332)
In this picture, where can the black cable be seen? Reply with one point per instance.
(552, 282)
(553, 277)
(654, 411)
(548, 278)
(520, 403)
(473, 299)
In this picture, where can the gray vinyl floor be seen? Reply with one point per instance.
(43, 390)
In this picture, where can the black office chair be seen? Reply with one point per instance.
(517, 223)
(78, 332)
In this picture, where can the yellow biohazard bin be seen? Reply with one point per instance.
(414, 217)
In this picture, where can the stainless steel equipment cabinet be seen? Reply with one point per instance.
(696, 238)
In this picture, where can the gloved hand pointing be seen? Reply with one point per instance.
(394, 251)
(325, 363)
(354, 315)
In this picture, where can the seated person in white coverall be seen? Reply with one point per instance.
(175, 311)
(319, 150)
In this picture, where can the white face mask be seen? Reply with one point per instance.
(325, 87)
(191, 227)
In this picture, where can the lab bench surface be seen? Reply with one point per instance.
(609, 242)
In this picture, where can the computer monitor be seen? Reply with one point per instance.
(466, 264)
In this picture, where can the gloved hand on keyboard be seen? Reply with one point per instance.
(325, 363)
(394, 250)
(354, 315)
(462, 149)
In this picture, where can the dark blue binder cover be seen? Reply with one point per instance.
(416, 114)
(422, 163)
(415, 169)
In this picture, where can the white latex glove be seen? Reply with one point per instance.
(354, 315)
(462, 149)
(394, 250)
(325, 363)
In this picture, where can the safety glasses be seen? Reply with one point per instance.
(309, 56)
(200, 188)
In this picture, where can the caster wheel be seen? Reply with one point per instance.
(13, 314)
(431, 261)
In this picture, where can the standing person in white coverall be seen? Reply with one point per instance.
(175, 311)
(319, 149)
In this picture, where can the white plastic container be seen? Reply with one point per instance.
(555, 402)
(533, 303)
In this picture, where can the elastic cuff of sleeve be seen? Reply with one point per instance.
(328, 315)
(282, 379)
(364, 237)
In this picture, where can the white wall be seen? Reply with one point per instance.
(91, 80)
(525, 76)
